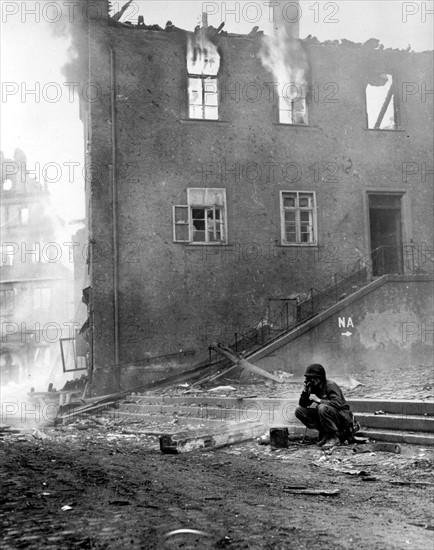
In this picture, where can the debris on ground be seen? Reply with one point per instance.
(374, 447)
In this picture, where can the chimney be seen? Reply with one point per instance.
(204, 20)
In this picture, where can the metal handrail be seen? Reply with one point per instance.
(254, 335)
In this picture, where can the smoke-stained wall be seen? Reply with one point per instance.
(177, 296)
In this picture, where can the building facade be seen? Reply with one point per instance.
(36, 298)
(210, 196)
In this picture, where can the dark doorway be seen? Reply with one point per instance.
(386, 234)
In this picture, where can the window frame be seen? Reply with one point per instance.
(394, 101)
(289, 103)
(7, 257)
(7, 306)
(39, 297)
(188, 217)
(203, 78)
(298, 209)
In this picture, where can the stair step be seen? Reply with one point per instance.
(266, 412)
(396, 422)
(392, 406)
(425, 439)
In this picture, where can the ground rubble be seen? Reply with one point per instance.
(99, 481)
(94, 484)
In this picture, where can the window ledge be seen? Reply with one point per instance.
(285, 125)
(212, 245)
(398, 131)
(302, 245)
(203, 121)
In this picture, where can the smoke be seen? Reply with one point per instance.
(283, 55)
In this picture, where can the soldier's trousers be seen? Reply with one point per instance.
(324, 418)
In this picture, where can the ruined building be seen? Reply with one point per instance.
(36, 301)
(234, 178)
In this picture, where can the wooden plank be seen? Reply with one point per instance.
(239, 360)
(184, 442)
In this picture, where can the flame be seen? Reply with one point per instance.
(202, 55)
(283, 55)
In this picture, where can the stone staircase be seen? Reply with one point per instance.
(194, 422)
(397, 421)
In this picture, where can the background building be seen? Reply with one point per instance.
(211, 200)
(36, 284)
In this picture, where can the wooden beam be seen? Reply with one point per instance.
(184, 442)
(384, 107)
(243, 363)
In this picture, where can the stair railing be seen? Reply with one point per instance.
(296, 311)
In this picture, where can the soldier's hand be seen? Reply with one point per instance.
(314, 398)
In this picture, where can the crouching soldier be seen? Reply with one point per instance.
(322, 407)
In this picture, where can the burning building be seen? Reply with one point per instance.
(243, 187)
(35, 286)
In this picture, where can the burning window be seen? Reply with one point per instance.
(41, 298)
(7, 301)
(298, 218)
(203, 63)
(380, 103)
(292, 106)
(203, 220)
(203, 97)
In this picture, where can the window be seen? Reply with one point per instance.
(7, 185)
(8, 252)
(41, 298)
(381, 107)
(24, 215)
(293, 106)
(203, 63)
(298, 218)
(6, 301)
(203, 220)
(203, 97)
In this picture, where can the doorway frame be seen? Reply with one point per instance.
(406, 219)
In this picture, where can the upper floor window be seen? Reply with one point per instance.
(293, 105)
(298, 218)
(203, 220)
(8, 251)
(203, 63)
(7, 301)
(24, 215)
(41, 298)
(203, 97)
(381, 107)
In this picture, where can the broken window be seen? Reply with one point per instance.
(298, 218)
(380, 103)
(6, 301)
(203, 220)
(292, 105)
(41, 298)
